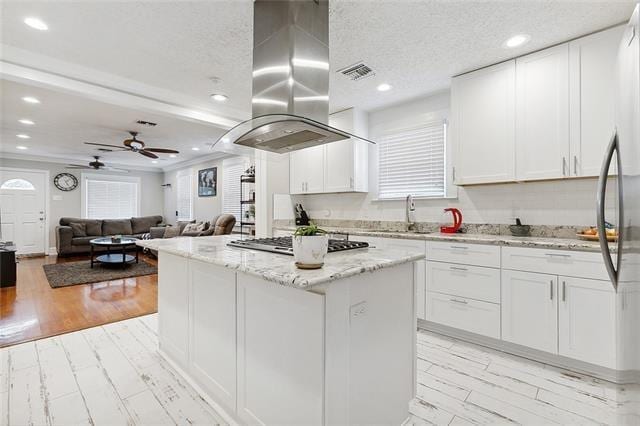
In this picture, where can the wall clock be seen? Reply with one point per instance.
(65, 182)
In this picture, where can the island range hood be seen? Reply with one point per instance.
(290, 102)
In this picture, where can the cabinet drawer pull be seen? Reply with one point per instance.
(464, 302)
(459, 247)
(564, 166)
(557, 255)
(575, 165)
(564, 291)
(458, 268)
(551, 289)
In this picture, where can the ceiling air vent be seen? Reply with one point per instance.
(357, 71)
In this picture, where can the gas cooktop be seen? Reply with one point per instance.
(283, 245)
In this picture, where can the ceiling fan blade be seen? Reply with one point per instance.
(77, 166)
(114, 169)
(147, 154)
(105, 144)
(162, 150)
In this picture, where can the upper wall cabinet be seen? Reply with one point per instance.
(592, 66)
(547, 115)
(483, 125)
(542, 114)
(341, 166)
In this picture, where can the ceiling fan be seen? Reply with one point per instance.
(96, 165)
(136, 145)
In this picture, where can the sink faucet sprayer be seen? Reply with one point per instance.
(410, 208)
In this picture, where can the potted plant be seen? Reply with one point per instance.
(310, 245)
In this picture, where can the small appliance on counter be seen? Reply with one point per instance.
(451, 228)
(519, 230)
(302, 218)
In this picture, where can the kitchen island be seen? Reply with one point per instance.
(271, 344)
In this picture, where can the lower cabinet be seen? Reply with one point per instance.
(587, 321)
(173, 301)
(213, 329)
(466, 314)
(529, 310)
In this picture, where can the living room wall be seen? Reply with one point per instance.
(69, 203)
(204, 208)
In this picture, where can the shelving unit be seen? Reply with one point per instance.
(246, 203)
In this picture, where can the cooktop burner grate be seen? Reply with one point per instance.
(283, 245)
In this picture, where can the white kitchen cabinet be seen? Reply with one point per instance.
(592, 68)
(307, 170)
(542, 114)
(213, 329)
(173, 302)
(473, 282)
(529, 310)
(341, 166)
(483, 125)
(587, 321)
(466, 314)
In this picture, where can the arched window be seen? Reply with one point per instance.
(21, 184)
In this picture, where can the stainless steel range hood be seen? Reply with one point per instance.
(290, 102)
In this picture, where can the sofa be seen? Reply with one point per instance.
(220, 225)
(73, 234)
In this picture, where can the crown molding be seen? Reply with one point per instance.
(66, 160)
(199, 160)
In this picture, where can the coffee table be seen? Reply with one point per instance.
(121, 257)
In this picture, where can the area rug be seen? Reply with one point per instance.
(73, 273)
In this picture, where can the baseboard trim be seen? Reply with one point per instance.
(604, 373)
(52, 251)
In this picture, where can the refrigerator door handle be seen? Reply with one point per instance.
(612, 269)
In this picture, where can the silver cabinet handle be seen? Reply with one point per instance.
(564, 166)
(575, 165)
(551, 289)
(351, 182)
(557, 255)
(612, 269)
(460, 247)
(464, 302)
(457, 268)
(564, 291)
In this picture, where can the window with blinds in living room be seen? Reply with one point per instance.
(232, 168)
(110, 197)
(184, 197)
(412, 161)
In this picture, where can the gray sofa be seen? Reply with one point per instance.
(220, 225)
(70, 238)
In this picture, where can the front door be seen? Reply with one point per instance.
(22, 210)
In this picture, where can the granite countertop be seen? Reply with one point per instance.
(280, 268)
(502, 240)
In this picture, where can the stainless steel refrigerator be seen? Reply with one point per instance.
(623, 160)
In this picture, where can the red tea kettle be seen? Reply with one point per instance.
(448, 228)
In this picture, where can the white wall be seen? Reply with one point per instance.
(569, 202)
(204, 208)
(69, 203)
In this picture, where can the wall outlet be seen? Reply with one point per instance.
(358, 310)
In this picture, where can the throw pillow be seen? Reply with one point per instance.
(193, 227)
(171, 232)
(79, 229)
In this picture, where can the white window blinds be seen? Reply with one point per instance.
(412, 161)
(232, 169)
(184, 197)
(111, 199)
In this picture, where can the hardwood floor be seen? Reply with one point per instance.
(33, 310)
(113, 374)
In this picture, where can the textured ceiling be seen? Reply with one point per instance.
(63, 122)
(416, 46)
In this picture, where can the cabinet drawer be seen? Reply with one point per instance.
(557, 262)
(469, 254)
(465, 314)
(475, 282)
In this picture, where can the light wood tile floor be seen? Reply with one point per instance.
(113, 375)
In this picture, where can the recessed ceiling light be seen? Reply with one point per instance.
(36, 23)
(21, 147)
(516, 41)
(172, 156)
(384, 87)
(154, 161)
(31, 100)
(27, 122)
(195, 148)
(219, 97)
(23, 136)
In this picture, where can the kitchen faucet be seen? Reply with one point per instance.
(410, 209)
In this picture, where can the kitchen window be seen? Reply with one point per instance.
(413, 161)
(110, 197)
(184, 197)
